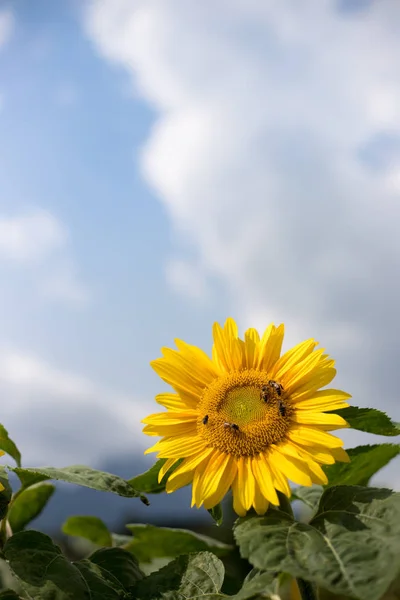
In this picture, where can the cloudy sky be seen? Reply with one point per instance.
(168, 163)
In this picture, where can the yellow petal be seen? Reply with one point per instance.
(279, 480)
(246, 482)
(263, 478)
(171, 418)
(179, 482)
(166, 467)
(251, 339)
(318, 418)
(292, 468)
(303, 371)
(227, 347)
(180, 380)
(177, 447)
(317, 379)
(238, 506)
(212, 480)
(325, 457)
(190, 463)
(173, 402)
(260, 502)
(317, 475)
(270, 347)
(198, 357)
(192, 365)
(322, 400)
(170, 430)
(223, 485)
(292, 357)
(310, 436)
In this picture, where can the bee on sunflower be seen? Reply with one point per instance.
(247, 419)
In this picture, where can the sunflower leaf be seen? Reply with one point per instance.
(257, 584)
(217, 514)
(365, 462)
(369, 420)
(5, 493)
(79, 475)
(41, 568)
(310, 496)
(9, 595)
(29, 504)
(191, 576)
(147, 482)
(354, 542)
(9, 446)
(120, 568)
(149, 542)
(90, 528)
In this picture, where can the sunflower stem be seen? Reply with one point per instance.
(307, 590)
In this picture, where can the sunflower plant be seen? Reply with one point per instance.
(255, 432)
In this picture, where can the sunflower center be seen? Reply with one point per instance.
(242, 413)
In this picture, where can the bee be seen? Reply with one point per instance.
(265, 393)
(205, 420)
(276, 386)
(232, 426)
(282, 409)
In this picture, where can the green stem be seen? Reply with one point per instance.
(306, 589)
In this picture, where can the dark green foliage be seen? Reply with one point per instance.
(28, 504)
(80, 475)
(369, 420)
(90, 528)
(147, 482)
(149, 542)
(365, 462)
(9, 446)
(351, 546)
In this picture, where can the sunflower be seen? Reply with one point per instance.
(248, 419)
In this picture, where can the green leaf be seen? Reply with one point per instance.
(309, 495)
(9, 446)
(42, 569)
(370, 420)
(147, 482)
(117, 565)
(149, 542)
(100, 588)
(90, 528)
(351, 546)
(365, 462)
(257, 585)
(192, 576)
(9, 595)
(217, 514)
(28, 478)
(28, 505)
(5, 493)
(80, 475)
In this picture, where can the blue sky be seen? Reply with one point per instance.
(165, 164)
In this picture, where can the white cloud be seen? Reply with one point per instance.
(37, 244)
(31, 237)
(7, 24)
(263, 109)
(187, 278)
(59, 417)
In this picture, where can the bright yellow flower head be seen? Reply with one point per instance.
(247, 419)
